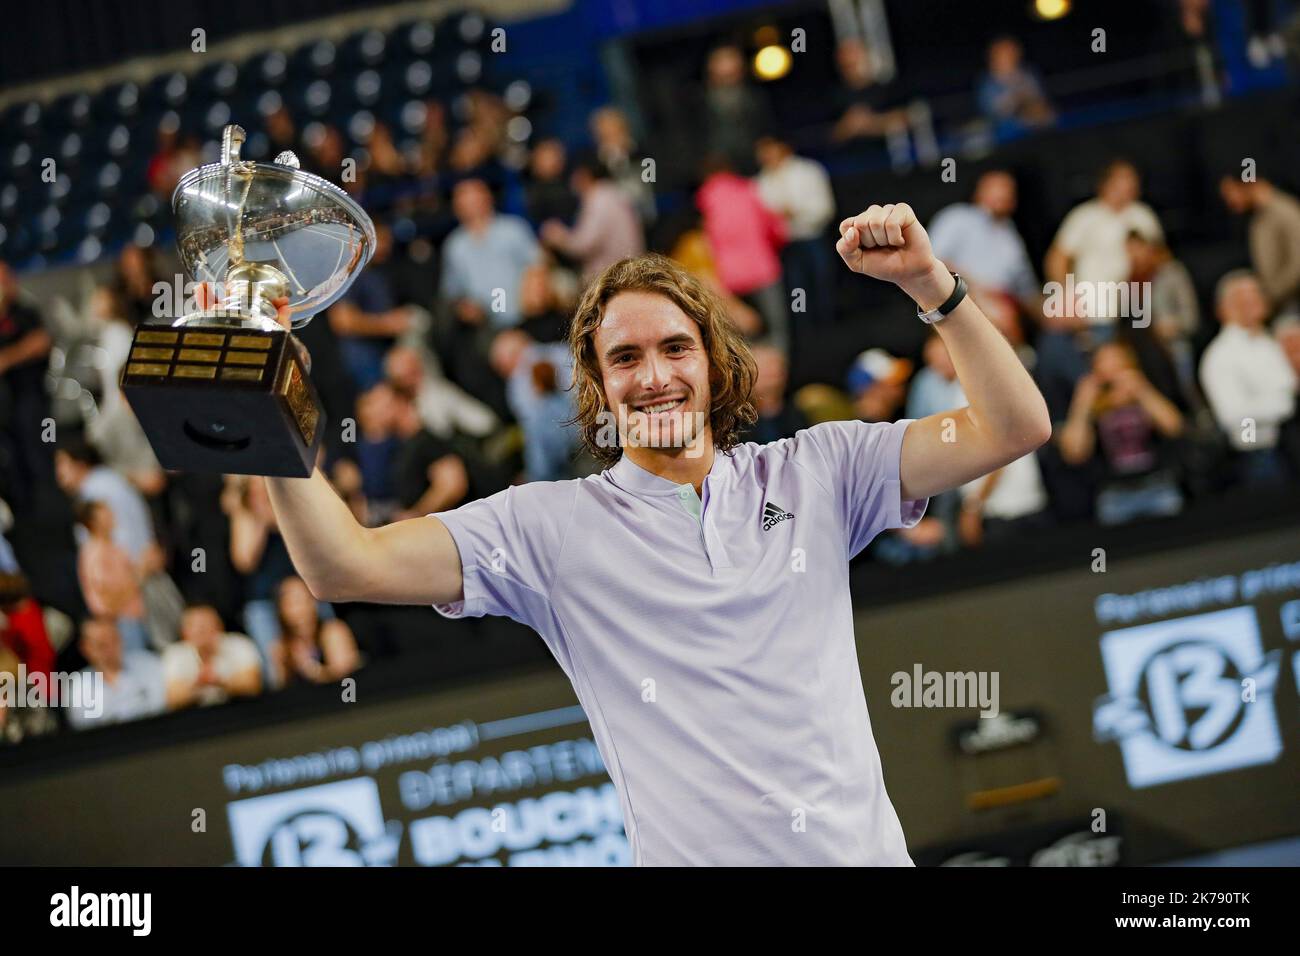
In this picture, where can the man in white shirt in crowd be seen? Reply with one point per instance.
(1246, 378)
(132, 685)
(207, 665)
(799, 191)
(1088, 257)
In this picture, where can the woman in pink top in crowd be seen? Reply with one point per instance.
(746, 238)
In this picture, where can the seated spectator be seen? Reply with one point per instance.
(1274, 236)
(22, 624)
(444, 408)
(608, 227)
(548, 194)
(778, 417)
(618, 150)
(538, 381)
(25, 466)
(258, 552)
(979, 240)
(1088, 256)
(22, 722)
(428, 475)
(548, 294)
(310, 649)
(132, 680)
(799, 191)
(1010, 94)
(877, 383)
(1120, 420)
(865, 106)
(376, 451)
(935, 387)
(135, 275)
(1173, 310)
(746, 239)
(1247, 380)
(484, 258)
(110, 580)
(734, 111)
(368, 319)
(80, 472)
(208, 666)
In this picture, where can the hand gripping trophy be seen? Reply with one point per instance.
(225, 389)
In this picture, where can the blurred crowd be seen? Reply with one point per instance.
(444, 370)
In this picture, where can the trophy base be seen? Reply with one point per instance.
(224, 400)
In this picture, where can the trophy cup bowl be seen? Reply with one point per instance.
(225, 388)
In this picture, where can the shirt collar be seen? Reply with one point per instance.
(630, 476)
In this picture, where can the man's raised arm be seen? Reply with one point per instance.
(1007, 417)
(407, 562)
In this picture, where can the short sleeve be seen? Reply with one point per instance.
(859, 462)
(1070, 236)
(509, 545)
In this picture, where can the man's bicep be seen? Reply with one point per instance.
(414, 561)
(944, 451)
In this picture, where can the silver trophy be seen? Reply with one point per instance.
(225, 388)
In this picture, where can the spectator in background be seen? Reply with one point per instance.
(1274, 236)
(877, 383)
(444, 409)
(1173, 310)
(110, 580)
(483, 260)
(258, 552)
(24, 406)
(281, 134)
(617, 149)
(22, 625)
(207, 665)
(135, 275)
(310, 649)
(608, 227)
(799, 191)
(778, 417)
(20, 723)
(1000, 505)
(376, 451)
(538, 379)
(548, 195)
(1247, 379)
(734, 111)
(428, 475)
(865, 106)
(81, 474)
(1010, 94)
(934, 388)
(368, 319)
(1090, 249)
(1092, 241)
(980, 241)
(745, 238)
(1120, 419)
(132, 680)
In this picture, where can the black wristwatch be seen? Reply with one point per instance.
(935, 315)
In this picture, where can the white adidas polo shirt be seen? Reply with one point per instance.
(710, 639)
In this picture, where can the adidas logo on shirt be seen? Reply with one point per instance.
(772, 516)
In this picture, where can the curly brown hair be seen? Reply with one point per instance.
(731, 366)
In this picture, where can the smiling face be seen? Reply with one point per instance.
(655, 372)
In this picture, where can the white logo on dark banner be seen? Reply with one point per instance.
(334, 824)
(1176, 697)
